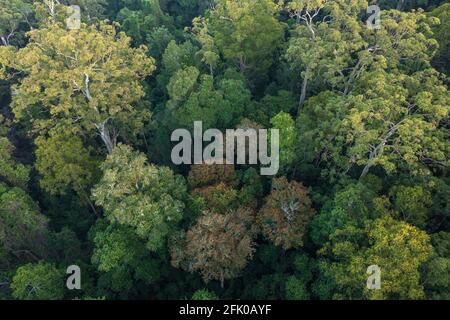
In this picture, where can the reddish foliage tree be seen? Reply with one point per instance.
(286, 214)
(208, 174)
(218, 246)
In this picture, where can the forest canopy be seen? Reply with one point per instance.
(360, 100)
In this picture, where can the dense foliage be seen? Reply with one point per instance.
(86, 177)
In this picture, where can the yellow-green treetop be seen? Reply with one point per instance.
(88, 78)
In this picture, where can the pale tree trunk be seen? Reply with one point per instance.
(367, 167)
(211, 70)
(6, 40)
(352, 76)
(358, 69)
(108, 138)
(222, 280)
(88, 200)
(308, 17)
(86, 90)
(309, 23)
(242, 64)
(51, 4)
(374, 153)
(304, 89)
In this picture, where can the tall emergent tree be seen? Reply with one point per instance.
(87, 78)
